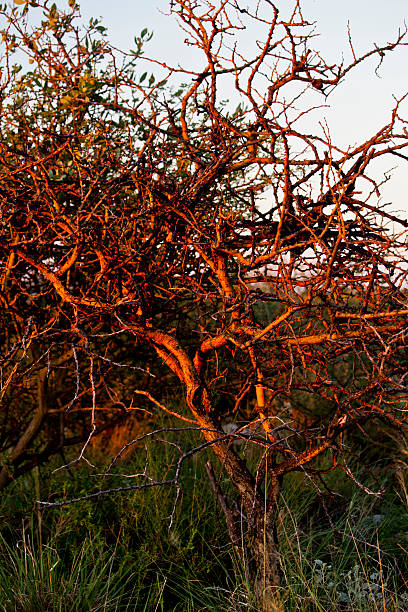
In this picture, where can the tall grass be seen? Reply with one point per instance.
(34, 578)
(355, 568)
(117, 552)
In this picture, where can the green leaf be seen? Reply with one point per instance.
(143, 32)
(142, 78)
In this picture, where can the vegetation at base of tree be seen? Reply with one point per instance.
(345, 551)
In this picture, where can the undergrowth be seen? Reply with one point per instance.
(346, 551)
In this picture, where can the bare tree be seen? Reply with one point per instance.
(148, 223)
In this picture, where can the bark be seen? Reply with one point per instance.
(254, 538)
(259, 545)
(266, 571)
(233, 517)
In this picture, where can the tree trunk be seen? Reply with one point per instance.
(259, 541)
(254, 538)
(260, 545)
(264, 550)
(255, 541)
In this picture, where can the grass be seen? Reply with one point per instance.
(359, 567)
(34, 577)
(117, 552)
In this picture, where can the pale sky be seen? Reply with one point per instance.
(358, 107)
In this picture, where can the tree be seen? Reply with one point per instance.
(153, 226)
(39, 385)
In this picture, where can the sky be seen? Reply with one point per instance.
(357, 108)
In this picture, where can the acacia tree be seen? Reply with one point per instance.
(146, 223)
